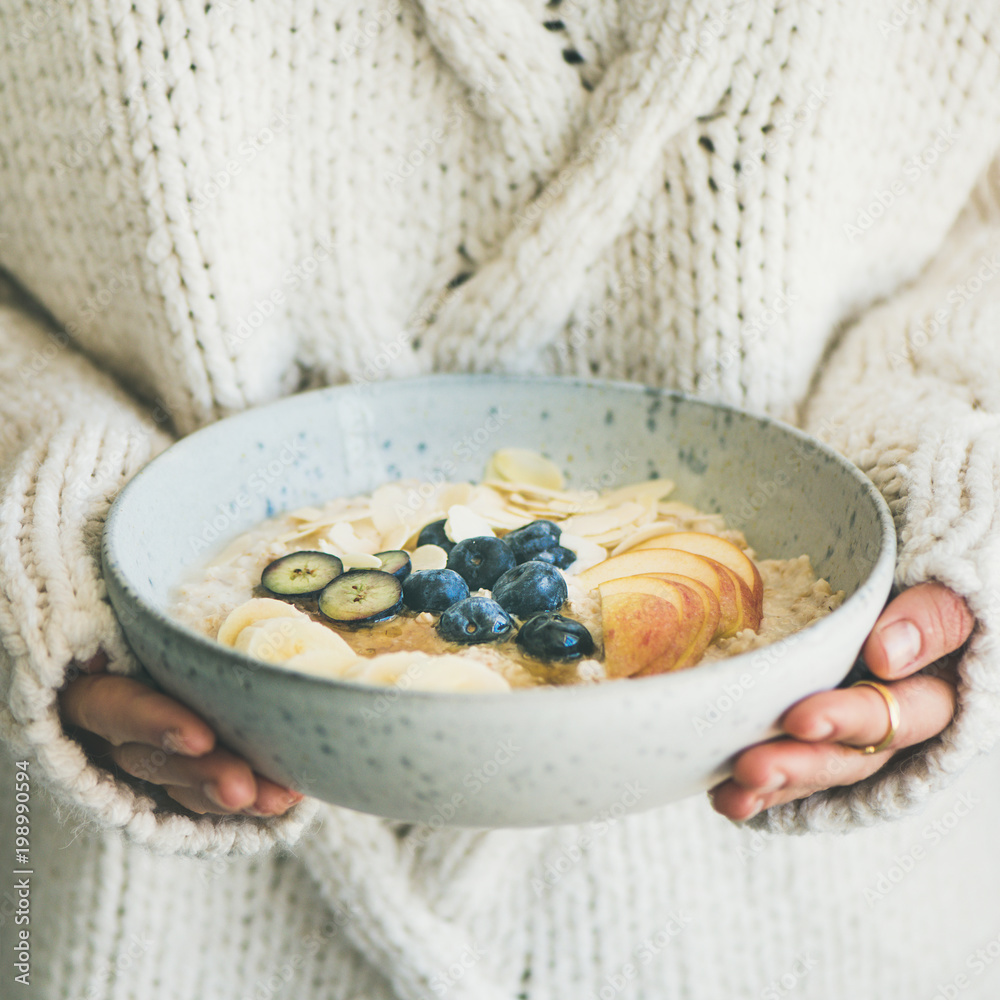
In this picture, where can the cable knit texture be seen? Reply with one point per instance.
(786, 207)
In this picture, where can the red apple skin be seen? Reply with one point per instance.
(641, 634)
(701, 543)
(678, 562)
(691, 608)
(750, 612)
(713, 612)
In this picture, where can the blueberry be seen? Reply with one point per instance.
(433, 590)
(529, 588)
(361, 597)
(554, 637)
(300, 574)
(481, 561)
(476, 619)
(527, 542)
(433, 534)
(558, 556)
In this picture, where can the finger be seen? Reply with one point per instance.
(225, 781)
(193, 799)
(272, 799)
(230, 776)
(97, 663)
(859, 716)
(918, 627)
(123, 710)
(784, 770)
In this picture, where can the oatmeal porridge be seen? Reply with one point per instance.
(515, 581)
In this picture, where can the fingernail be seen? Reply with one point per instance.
(250, 811)
(211, 792)
(901, 642)
(822, 729)
(776, 781)
(756, 808)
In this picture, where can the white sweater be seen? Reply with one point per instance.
(787, 207)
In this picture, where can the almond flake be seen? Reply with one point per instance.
(396, 538)
(306, 514)
(428, 557)
(463, 523)
(343, 536)
(604, 521)
(587, 552)
(656, 489)
(360, 560)
(451, 494)
(654, 530)
(526, 466)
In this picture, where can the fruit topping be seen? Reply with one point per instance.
(550, 636)
(434, 590)
(557, 556)
(529, 588)
(396, 562)
(276, 640)
(481, 561)
(433, 534)
(361, 597)
(527, 542)
(476, 619)
(252, 611)
(300, 574)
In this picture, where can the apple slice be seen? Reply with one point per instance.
(749, 611)
(713, 613)
(688, 602)
(701, 543)
(642, 634)
(653, 561)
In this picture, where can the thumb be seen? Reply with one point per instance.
(921, 625)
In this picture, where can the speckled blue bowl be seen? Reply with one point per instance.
(530, 757)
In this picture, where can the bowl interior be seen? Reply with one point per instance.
(785, 492)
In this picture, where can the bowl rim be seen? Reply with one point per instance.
(884, 564)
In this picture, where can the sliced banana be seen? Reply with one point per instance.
(321, 662)
(457, 674)
(255, 610)
(278, 639)
(463, 523)
(420, 672)
(522, 465)
(387, 668)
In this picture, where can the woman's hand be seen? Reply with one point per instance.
(151, 736)
(920, 626)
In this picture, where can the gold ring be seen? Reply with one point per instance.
(893, 706)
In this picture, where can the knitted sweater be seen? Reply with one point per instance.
(786, 207)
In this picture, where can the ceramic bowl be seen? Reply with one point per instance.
(529, 757)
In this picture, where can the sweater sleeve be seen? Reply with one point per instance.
(70, 438)
(911, 394)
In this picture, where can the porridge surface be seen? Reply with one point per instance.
(388, 519)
